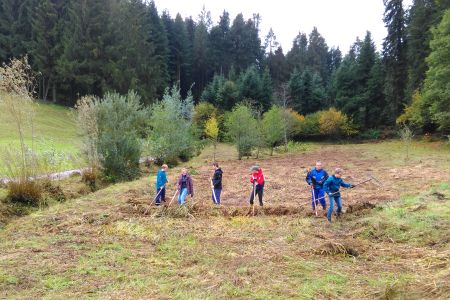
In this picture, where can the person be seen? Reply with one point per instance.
(185, 186)
(216, 182)
(257, 179)
(332, 186)
(315, 178)
(161, 181)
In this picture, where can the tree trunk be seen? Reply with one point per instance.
(46, 87)
(54, 92)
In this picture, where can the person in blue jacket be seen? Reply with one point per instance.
(161, 181)
(332, 186)
(316, 178)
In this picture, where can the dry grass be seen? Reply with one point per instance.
(112, 245)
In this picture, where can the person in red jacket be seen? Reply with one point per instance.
(257, 179)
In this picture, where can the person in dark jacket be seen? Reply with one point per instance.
(161, 181)
(258, 180)
(332, 186)
(316, 178)
(216, 182)
(185, 186)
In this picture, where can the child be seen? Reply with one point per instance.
(185, 186)
(258, 184)
(316, 177)
(331, 186)
(216, 182)
(161, 181)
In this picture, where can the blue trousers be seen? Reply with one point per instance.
(182, 196)
(316, 194)
(161, 196)
(217, 193)
(334, 198)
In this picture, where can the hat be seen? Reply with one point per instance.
(255, 168)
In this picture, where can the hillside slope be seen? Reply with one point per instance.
(393, 243)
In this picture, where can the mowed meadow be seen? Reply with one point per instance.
(391, 243)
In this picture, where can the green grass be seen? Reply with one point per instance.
(413, 220)
(54, 129)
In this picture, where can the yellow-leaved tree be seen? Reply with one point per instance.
(212, 132)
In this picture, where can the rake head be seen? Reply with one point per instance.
(375, 180)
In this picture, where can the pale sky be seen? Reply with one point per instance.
(338, 21)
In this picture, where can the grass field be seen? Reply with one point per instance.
(391, 243)
(54, 129)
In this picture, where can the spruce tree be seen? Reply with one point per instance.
(422, 16)
(46, 44)
(220, 45)
(394, 55)
(317, 54)
(296, 58)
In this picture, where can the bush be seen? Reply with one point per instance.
(120, 119)
(87, 124)
(328, 123)
(25, 192)
(332, 122)
(171, 135)
(311, 125)
(274, 127)
(91, 177)
(242, 129)
(202, 112)
(371, 134)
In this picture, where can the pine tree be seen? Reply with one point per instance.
(221, 45)
(201, 58)
(296, 58)
(394, 54)
(306, 91)
(365, 63)
(278, 67)
(374, 93)
(436, 88)
(82, 65)
(250, 86)
(266, 90)
(246, 44)
(46, 45)
(15, 27)
(158, 37)
(317, 54)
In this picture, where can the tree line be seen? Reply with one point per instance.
(92, 47)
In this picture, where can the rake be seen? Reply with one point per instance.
(371, 178)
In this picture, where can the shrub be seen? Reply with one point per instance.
(202, 112)
(327, 123)
(171, 135)
(295, 121)
(87, 124)
(25, 192)
(331, 122)
(242, 129)
(120, 119)
(20, 163)
(91, 177)
(372, 134)
(274, 127)
(311, 125)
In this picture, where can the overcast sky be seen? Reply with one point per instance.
(338, 21)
